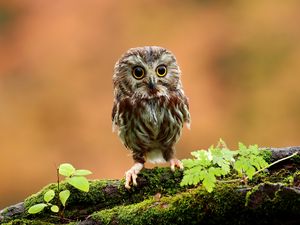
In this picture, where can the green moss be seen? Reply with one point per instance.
(149, 211)
(189, 207)
(105, 194)
(296, 179)
(296, 159)
(27, 222)
(112, 192)
(195, 206)
(276, 199)
(39, 196)
(159, 199)
(34, 222)
(267, 155)
(279, 176)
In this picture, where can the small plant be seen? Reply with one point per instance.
(209, 165)
(74, 177)
(249, 161)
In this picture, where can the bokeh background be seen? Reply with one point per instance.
(240, 63)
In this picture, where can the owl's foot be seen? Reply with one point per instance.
(176, 163)
(132, 173)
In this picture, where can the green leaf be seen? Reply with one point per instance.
(249, 160)
(189, 163)
(238, 166)
(242, 147)
(63, 197)
(229, 155)
(54, 208)
(195, 180)
(218, 161)
(254, 149)
(216, 171)
(207, 165)
(217, 156)
(262, 162)
(202, 174)
(191, 172)
(66, 169)
(250, 171)
(49, 195)
(82, 173)
(186, 180)
(201, 155)
(209, 182)
(36, 208)
(80, 183)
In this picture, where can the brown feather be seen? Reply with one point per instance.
(149, 120)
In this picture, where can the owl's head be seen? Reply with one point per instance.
(146, 72)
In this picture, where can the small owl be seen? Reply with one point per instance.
(150, 107)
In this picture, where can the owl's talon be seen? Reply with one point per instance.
(131, 175)
(134, 176)
(176, 163)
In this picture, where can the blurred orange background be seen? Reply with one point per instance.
(240, 63)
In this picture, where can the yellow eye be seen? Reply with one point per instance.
(138, 72)
(161, 70)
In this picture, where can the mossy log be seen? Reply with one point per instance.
(272, 197)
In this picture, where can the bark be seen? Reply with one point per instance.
(159, 199)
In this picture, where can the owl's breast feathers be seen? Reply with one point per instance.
(146, 124)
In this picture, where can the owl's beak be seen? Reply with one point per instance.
(151, 85)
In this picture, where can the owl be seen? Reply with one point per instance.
(149, 108)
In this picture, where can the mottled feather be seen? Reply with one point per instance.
(149, 111)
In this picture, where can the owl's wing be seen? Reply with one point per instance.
(114, 111)
(186, 112)
(114, 116)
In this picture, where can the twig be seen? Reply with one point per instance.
(258, 171)
(57, 174)
(278, 161)
(230, 181)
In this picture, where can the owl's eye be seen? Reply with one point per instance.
(138, 72)
(161, 71)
